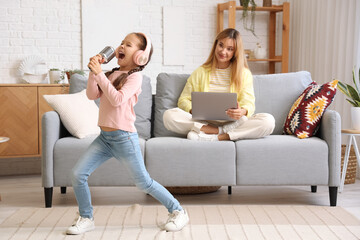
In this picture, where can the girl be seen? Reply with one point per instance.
(225, 70)
(118, 91)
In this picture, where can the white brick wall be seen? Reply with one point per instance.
(52, 29)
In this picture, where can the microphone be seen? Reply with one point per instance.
(107, 54)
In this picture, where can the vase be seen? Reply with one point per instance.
(54, 76)
(355, 118)
(260, 53)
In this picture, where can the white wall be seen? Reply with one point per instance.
(52, 30)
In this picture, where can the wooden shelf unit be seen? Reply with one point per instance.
(22, 107)
(285, 9)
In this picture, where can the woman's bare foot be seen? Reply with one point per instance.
(223, 137)
(208, 129)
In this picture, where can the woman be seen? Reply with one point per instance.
(225, 70)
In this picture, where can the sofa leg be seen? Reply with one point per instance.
(48, 192)
(313, 189)
(229, 190)
(333, 196)
(63, 190)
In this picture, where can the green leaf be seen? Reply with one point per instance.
(353, 93)
(359, 75)
(342, 87)
(354, 80)
(352, 103)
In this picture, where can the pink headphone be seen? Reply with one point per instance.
(141, 57)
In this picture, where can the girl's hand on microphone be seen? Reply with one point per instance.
(94, 64)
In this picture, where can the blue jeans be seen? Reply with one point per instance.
(124, 146)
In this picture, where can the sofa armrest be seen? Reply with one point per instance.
(330, 131)
(51, 131)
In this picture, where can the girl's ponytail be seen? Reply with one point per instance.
(107, 74)
(121, 80)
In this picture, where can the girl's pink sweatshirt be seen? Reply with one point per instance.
(116, 108)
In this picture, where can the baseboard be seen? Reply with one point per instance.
(20, 166)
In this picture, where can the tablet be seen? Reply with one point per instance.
(212, 105)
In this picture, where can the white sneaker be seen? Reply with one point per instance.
(81, 225)
(192, 135)
(176, 221)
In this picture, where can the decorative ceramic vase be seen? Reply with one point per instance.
(355, 118)
(54, 76)
(259, 52)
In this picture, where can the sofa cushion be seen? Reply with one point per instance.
(78, 114)
(142, 108)
(78, 83)
(67, 152)
(168, 89)
(275, 94)
(305, 114)
(282, 160)
(176, 161)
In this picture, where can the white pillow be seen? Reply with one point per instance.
(78, 114)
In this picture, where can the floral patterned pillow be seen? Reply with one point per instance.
(305, 114)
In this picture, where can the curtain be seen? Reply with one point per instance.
(324, 40)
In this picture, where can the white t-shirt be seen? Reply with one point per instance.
(220, 80)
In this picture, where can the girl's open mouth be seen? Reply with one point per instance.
(121, 55)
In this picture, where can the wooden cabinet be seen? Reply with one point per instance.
(21, 109)
(273, 11)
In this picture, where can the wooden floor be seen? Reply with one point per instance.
(26, 191)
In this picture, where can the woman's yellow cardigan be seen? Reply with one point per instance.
(199, 81)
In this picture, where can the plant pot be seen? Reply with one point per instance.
(260, 53)
(355, 118)
(54, 76)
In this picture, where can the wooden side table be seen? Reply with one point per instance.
(352, 141)
(3, 139)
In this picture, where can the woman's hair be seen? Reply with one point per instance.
(120, 81)
(238, 61)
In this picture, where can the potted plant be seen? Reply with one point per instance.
(246, 4)
(71, 72)
(353, 95)
(55, 75)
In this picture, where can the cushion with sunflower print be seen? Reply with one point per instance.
(305, 114)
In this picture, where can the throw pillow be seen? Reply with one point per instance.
(305, 114)
(78, 114)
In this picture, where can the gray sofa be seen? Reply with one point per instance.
(173, 160)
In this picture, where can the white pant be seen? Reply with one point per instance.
(257, 126)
